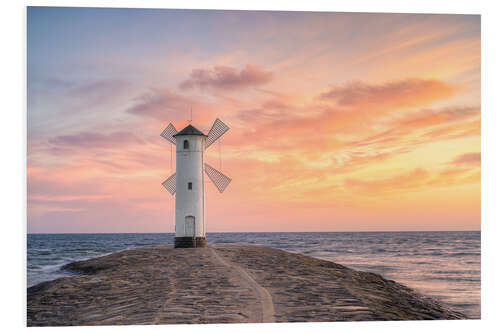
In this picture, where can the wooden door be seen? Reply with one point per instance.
(189, 226)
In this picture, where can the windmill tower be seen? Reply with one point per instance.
(187, 183)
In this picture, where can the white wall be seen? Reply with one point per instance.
(189, 168)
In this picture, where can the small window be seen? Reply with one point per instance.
(186, 144)
(190, 186)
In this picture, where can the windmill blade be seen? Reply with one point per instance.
(217, 130)
(168, 133)
(169, 184)
(220, 180)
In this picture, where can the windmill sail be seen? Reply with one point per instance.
(217, 130)
(220, 180)
(169, 184)
(168, 133)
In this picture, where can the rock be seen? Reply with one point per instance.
(163, 285)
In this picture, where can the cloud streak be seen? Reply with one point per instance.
(404, 93)
(224, 77)
(279, 124)
(94, 140)
(427, 125)
(161, 104)
(406, 181)
(468, 159)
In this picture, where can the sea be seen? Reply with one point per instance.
(445, 265)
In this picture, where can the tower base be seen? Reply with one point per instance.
(185, 242)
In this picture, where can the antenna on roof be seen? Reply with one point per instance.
(191, 115)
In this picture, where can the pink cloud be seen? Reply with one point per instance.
(95, 140)
(99, 88)
(405, 93)
(412, 179)
(280, 125)
(443, 122)
(472, 159)
(223, 77)
(162, 105)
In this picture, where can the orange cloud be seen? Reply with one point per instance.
(472, 159)
(437, 124)
(365, 102)
(417, 179)
(405, 93)
(456, 176)
(413, 179)
(332, 135)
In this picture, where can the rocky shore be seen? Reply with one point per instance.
(221, 284)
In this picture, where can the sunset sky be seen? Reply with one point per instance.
(339, 121)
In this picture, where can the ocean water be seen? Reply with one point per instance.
(445, 265)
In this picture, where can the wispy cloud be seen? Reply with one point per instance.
(405, 181)
(160, 104)
(95, 140)
(426, 125)
(416, 180)
(224, 77)
(406, 93)
(372, 109)
(468, 159)
(98, 88)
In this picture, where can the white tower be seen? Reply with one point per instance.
(188, 182)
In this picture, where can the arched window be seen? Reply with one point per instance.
(186, 144)
(190, 186)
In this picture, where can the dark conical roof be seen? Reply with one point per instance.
(189, 130)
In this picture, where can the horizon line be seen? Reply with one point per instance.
(244, 232)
